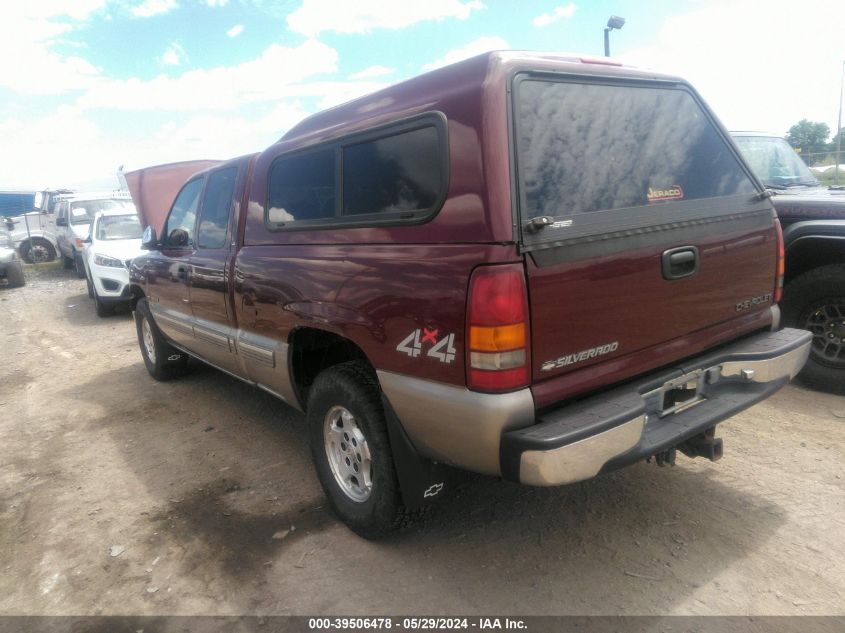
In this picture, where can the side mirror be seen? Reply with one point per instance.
(61, 221)
(148, 239)
(87, 240)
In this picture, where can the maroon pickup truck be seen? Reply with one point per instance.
(530, 266)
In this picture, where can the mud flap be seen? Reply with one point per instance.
(421, 480)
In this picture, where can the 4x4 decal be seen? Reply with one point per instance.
(442, 350)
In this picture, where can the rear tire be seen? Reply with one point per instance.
(351, 450)
(161, 359)
(38, 250)
(14, 275)
(815, 301)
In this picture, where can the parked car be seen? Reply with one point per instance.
(813, 218)
(115, 238)
(74, 214)
(32, 232)
(531, 266)
(10, 266)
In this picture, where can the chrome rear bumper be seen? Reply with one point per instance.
(629, 424)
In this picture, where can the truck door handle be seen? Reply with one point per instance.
(182, 272)
(680, 262)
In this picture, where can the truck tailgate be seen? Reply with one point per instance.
(640, 221)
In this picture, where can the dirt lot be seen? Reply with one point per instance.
(192, 479)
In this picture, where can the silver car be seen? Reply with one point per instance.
(10, 266)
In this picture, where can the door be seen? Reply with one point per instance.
(62, 227)
(169, 270)
(641, 223)
(214, 323)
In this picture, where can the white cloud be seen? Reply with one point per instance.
(69, 149)
(174, 55)
(220, 88)
(62, 147)
(557, 13)
(149, 8)
(235, 30)
(30, 29)
(215, 136)
(372, 71)
(362, 16)
(476, 47)
(47, 9)
(759, 70)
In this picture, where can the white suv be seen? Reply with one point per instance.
(115, 239)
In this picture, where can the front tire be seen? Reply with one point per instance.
(103, 309)
(351, 450)
(162, 360)
(815, 301)
(79, 265)
(14, 275)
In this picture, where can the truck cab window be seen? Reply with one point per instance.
(216, 208)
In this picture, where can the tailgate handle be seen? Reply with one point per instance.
(680, 262)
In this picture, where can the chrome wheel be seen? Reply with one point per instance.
(149, 341)
(827, 323)
(37, 252)
(348, 454)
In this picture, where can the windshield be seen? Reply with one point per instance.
(119, 227)
(775, 162)
(83, 211)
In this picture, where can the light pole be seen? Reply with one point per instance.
(839, 127)
(615, 22)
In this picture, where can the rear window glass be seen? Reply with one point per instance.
(302, 187)
(584, 148)
(397, 173)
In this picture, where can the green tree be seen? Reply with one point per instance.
(809, 138)
(832, 146)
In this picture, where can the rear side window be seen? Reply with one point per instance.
(588, 148)
(389, 175)
(397, 173)
(302, 187)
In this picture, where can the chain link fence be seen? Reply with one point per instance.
(823, 166)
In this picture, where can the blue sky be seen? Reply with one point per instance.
(88, 85)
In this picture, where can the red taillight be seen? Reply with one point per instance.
(497, 329)
(781, 265)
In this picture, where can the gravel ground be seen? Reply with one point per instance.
(120, 495)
